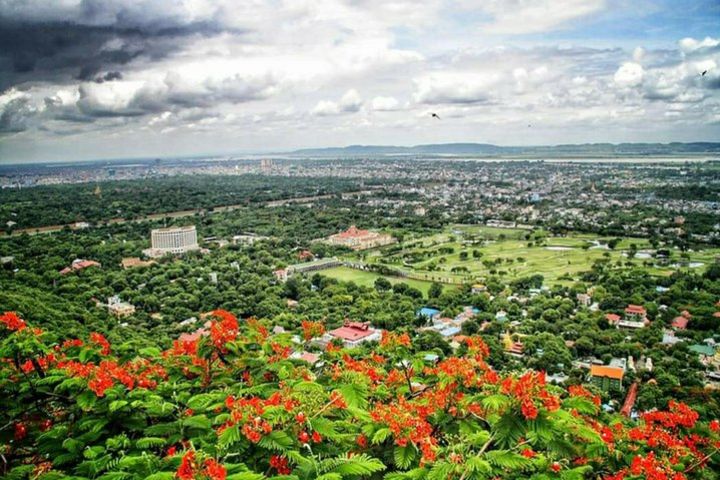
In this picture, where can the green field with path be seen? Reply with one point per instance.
(508, 254)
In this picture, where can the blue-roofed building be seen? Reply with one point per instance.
(450, 332)
(430, 313)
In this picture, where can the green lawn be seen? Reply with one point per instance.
(558, 257)
(367, 279)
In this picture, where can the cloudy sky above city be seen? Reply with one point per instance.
(82, 79)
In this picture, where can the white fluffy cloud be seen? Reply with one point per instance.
(455, 87)
(350, 102)
(531, 16)
(385, 104)
(630, 74)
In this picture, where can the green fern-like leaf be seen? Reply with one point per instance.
(357, 465)
(162, 429)
(478, 465)
(248, 475)
(150, 442)
(404, 456)
(380, 436)
(355, 395)
(508, 430)
(440, 471)
(161, 476)
(495, 403)
(507, 459)
(277, 440)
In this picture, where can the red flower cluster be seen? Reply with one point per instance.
(394, 340)
(653, 469)
(44, 362)
(100, 341)
(528, 388)
(255, 326)
(20, 431)
(224, 329)
(279, 352)
(338, 400)
(141, 373)
(360, 366)
(184, 347)
(70, 343)
(214, 470)
(580, 391)
(477, 347)
(280, 464)
(248, 412)
(661, 443)
(528, 453)
(190, 468)
(408, 422)
(312, 329)
(678, 415)
(12, 322)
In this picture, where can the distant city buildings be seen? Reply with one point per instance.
(357, 239)
(173, 240)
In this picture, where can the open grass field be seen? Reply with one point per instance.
(507, 253)
(367, 279)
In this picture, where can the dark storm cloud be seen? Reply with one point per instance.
(14, 117)
(41, 49)
(109, 77)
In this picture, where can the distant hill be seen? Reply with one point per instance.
(484, 149)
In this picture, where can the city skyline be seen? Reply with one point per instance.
(126, 78)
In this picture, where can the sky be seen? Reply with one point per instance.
(93, 79)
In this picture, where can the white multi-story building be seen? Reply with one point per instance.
(173, 240)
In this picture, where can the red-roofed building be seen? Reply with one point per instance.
(635, 311)
(680, 323)
(635, 317)
(358, 239)
(353, 334)
(311, 358)
(305, 255)
(281, 274)
(630, 400)
(79, 264)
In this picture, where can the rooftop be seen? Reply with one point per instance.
(352, 331)
(353, 232)
(606, 371)
(635, 309)
(680, 322)
(186, 228)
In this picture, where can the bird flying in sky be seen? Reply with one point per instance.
(435, 115)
